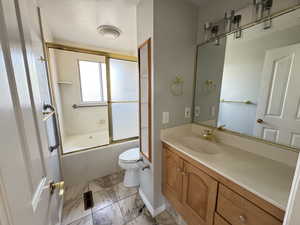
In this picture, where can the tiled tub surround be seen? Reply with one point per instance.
(267, 178)
(114, 204)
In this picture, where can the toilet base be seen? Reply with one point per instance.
(131, 178)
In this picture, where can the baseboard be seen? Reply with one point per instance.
(154, 211)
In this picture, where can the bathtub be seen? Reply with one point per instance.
(83, 141)
(83, 166)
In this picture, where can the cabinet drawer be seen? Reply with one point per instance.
(239, 211)
(219, 220)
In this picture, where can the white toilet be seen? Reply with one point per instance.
(129, 161)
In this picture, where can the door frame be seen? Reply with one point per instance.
(292, 216)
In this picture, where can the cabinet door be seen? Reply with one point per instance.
(173, 168)
(199, 195)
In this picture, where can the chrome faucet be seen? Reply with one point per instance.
(209, 134)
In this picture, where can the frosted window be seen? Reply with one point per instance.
(92, 83)
(124, 80)
(125, 118)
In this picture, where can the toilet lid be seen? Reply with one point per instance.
(130, 155)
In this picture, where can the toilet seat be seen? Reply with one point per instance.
(130, 156)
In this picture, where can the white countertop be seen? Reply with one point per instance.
(268, 179)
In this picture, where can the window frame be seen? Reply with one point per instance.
(92, 103)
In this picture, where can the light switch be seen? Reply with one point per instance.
(165, 118)
(187, 112)
(197, 111)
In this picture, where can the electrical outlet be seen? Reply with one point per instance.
(165, 118)
(197, 111)
(187, 112)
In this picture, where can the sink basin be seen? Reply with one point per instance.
(201, 145)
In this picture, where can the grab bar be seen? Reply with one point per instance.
(76, 106)
(248, 102)
(56, 135)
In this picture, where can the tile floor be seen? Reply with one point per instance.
(114, 204)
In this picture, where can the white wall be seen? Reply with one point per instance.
(144, 32)
(175, 24)
(172, 24)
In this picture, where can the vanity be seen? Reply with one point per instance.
(211, 183)
(247, 83)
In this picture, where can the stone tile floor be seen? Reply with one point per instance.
(114, 204)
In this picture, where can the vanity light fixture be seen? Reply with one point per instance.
(109, 31)
(258, 9)
(207, 29)
(267, 8)
(214, 32)
(237, 22)
(228, 20)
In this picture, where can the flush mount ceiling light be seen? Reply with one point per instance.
(109, 31)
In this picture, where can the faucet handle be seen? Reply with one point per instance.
(222, 127)
(207, 131)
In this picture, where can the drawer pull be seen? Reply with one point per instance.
(242, 219)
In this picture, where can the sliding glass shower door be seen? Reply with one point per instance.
(124, 93)
(96, 99)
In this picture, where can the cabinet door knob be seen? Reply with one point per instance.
(242, 219)
(178, 170)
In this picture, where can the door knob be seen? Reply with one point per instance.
(242, 219)
(58, 185)
(259, 121)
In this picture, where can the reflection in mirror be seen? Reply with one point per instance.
(251, 84)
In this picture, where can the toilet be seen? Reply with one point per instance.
(129, 161)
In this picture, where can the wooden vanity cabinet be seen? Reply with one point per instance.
(173, 169)
(199, 195)
(202, 198)
(189, 189)
(239, 211)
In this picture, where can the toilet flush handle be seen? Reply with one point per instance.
(146, 167)
(140, 160)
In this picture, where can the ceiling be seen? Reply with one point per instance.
(76, 21)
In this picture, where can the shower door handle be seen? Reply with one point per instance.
(56, 136)
(47, 107)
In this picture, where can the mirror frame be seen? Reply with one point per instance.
(147, 44)
(223, 35)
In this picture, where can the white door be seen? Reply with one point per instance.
(278, 110)
(26, 164)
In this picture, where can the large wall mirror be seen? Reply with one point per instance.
(252, 84)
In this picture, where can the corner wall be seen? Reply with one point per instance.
(144, 32)
(172, 25)
(175, 25)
